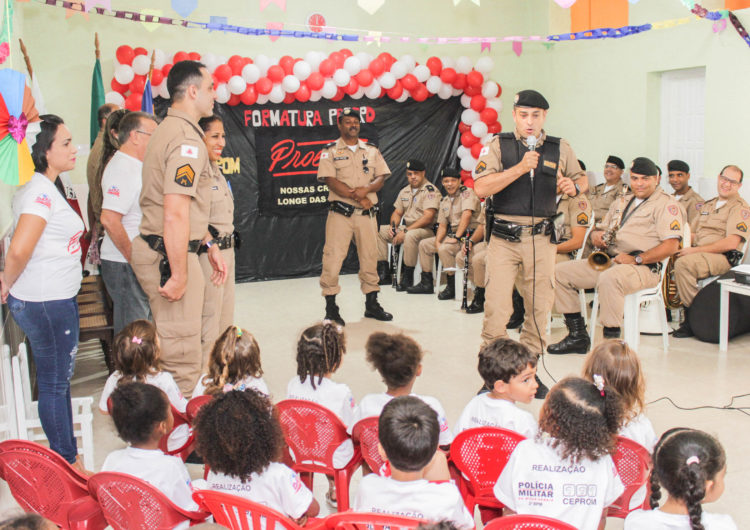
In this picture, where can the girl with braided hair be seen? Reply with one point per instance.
(320, 350)
(234, 364)
(690, 465)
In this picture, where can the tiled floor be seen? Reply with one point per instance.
(692, 374)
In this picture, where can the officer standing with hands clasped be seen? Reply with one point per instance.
(354, 172)
(518, 173)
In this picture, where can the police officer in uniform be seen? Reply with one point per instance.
(577, 212)
(417, 203)
(679, 179)
(649, 229)
(175, 203)
(719, 231)
(522, 206)
(613, 187)
(354, 172)
(458, 212)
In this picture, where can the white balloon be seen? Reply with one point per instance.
(263, 62)
(222, 93)
(141, 64)
(236, 84)
(221, 59)
(209, 59)
(484, 65)
(277, 94)
(398, 69)
(466, 101)
(433, 84)
(163, 90)
(352, 65)
(468, 163)
(315, 95)
(359, 93)
(462, 151)
(422, 73)
(364, 59)
(409, 61)
(329, 89)
(479, 129)
(489, 90)
(290, 84)
(262, 99)
(250, 73)
(373, 91)
(456, 91)
(124, 74)
(469, 116)
(403, 97)
(115, 98)
(301, 70)
(487, 138)
(495, 104)
(160, 58)
(387, 80)
(448, 62)
(341, 77)
(463, 65)
(313, 59)
(445, 92)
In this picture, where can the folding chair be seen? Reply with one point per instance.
(633, 463)
(527, 522)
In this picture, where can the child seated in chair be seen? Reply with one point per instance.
(142, 415)
(508, 369)
(409, 430)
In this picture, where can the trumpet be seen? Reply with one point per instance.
(599, 260)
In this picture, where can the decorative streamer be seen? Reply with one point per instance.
(7, 32)
(739, 27)
(700, 11)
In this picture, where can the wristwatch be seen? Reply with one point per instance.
(638, 260)
(578, 190)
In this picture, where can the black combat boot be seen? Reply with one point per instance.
(684, 331)
(407, 279)
(542, 391)
(384, 273)
(611, 332)
(449, 293)
(332, 310)
(477, 305)
(373, 309)
(516, 319)
(425, 285)
(577, 340)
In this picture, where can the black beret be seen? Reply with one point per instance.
(643, 166)
(616, 160)
(450, 172)
(530, 98)
(678, 165)
(348, 111)
(580, 163)
(415, 165)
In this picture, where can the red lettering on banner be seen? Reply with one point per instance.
(284, 122)
(299, 118)
(287, 154)
(265, 114)
(370, 115)
(248, 117)
(316, 119)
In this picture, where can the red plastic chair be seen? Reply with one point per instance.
(365, 434)
(238, 513)
(313, 433)
(481, 454)
(370, 521)
(633, 463)
(129, 503)
(42, 481)
(527, 522)
(194, 406)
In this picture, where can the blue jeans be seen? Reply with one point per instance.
(52, 329)
(128, 299)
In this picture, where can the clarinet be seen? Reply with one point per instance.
(467, 243)
(394, 259)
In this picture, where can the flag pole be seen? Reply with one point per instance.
(26, 58)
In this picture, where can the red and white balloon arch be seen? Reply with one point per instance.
(319, 76)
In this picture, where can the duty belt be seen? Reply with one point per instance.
(513, 232)
(347, 210)
(157, 243)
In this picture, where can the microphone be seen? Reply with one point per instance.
(531, 142)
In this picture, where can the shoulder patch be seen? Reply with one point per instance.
(188, 151)
(485, 150)
(672, 208)
(675, 225)
(742, 227)
(583, 205)
(582, 219)
(481, 166)
(745, 213)
(323, 155)
(465, 194)
(184, 176)
(430, 187)
(699, 205)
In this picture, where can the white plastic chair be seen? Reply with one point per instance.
(27, 413)
(8, 422)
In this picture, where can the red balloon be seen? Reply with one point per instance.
(156, 77)
(125, 54)
(338, 59)
(377, 67)
(287, 64)
(138, 84)
(352, 87)
(346, 52)
(248, 60)
(223, 72)
(385, 57)
(165, 69)
(133, 101)
(460, 82)
(395, 91)
(327, 67)
(234, 100)
(315, 81)
(140, 51)
(119, 87)
(435, 65)
(263, 85)
(448, 75)
(364, 77)
(488, 115)
(180, 56)
(474, 78)
(462, 127)
(249, 96)
(468, 181)
(194, 56)
(478, 102)
(471, 90)
(236, 64)
(289, 98)
(475, 149)
(468, 139)
(215, 80)
(420, 93)
(303, 94)
(410, 82)
(494, 128)
(339, 95)
(499, 90)
(465, 175)
(275, 73)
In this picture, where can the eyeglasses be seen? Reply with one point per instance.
(143, 132)
(727, 180)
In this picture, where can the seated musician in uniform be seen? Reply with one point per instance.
(640, 230)
(719, 231)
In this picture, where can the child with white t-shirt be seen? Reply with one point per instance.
(690, 465)
(241, 440)
(234, 364)
(142, 416)
(620, 367)
(508, 369)
(567, 471)
(408, 431)
(320, 351)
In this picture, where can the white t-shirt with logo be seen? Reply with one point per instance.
(420, 499)
(373, 405)
(54, 270)
(336, 397)
(277, 487)
(536, 481)
(659, 520)
(256, 383)
(641, 431)
(167, 473)
(486, 411)
(121, 191)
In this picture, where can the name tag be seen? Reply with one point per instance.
(550, 163)
(336, 159)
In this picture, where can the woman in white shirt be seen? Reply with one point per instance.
(42, 277)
